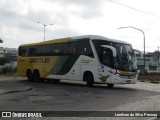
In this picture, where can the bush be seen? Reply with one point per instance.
(6, 70)
(3, 60)
(14, 70)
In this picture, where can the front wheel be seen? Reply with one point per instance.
(89, 79)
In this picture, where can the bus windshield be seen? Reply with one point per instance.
(125, 57)
(124, 60)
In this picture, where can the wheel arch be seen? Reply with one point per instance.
(85, 73)
(28, 70)
(37, 71)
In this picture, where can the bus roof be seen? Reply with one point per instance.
(60, 40)
(100, 37)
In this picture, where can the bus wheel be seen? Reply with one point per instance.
(110, 85)
(36, 76)
(88, 77)
(29, 75)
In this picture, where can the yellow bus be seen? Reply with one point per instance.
(89, 58)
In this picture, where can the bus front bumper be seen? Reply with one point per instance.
(118, 79)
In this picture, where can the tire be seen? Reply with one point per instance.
(36, 76)
(110, 85)
(29, 75)
(89, 79)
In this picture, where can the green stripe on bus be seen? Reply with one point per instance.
(63, 65)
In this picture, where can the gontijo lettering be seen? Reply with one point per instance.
(39, 60)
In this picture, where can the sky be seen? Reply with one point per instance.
(18, 21)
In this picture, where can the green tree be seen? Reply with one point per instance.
(3, 60)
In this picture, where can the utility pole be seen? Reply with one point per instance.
(44, 25)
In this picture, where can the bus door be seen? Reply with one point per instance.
(106, 59)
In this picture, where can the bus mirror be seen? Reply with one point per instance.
(137, 51)
(111, 48)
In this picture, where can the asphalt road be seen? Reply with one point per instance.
(68, 95)
(76, 96)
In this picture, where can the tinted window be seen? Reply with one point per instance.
(45, 50)
(79, 47)
(104, 54)
(38, 50)
(32, 51)
(84, 48)
(49, 49)
(23, 51)
(70, 48)
(57, 49)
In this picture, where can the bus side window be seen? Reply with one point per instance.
(58, 49)
(22, 51)
(38, 50)
(32, 51)
(84, 48)
(69, 48)
(46, 50)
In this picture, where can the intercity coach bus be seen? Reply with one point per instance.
(89, 58)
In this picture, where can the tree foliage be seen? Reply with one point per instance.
(4, 60)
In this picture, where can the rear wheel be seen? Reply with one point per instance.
(88, 77)
(36, 76)
(29, 75)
